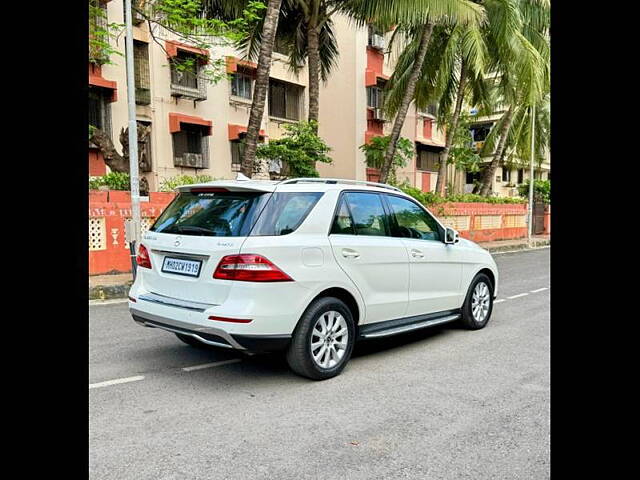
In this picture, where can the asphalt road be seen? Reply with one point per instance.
(443, 403)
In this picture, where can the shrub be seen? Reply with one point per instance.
(299, 149)
(432, 198)
(541, 189)
(375, 150)
(170, 184)
(112, 180)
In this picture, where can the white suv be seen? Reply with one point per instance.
(305, 265)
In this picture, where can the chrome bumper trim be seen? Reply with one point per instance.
(186, 329)
(175, 302)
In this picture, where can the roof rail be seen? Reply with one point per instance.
(338, 180)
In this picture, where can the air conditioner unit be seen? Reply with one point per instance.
(192, 160)
(377, 114)
(377, 41)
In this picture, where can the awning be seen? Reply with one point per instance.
(96, 80)
(236, 130)
(177, 119)
(172, 48)
(232, 64)
(429, 143)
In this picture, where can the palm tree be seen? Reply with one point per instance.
(523, 81)
(417, 18)
(269, 28)
(306, 32)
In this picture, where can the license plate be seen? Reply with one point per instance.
(181, 266)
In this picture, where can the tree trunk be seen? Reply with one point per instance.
(313, 46)
(451, 131)
(425, 37)
(260, 90)
(115, 161)
(489, 172)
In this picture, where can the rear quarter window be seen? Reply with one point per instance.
(284, 213)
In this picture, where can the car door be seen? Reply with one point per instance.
(376, 262)
(435, 268)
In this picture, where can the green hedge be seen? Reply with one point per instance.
(432, 198)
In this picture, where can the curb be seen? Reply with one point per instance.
(518, 247)
(108, 292)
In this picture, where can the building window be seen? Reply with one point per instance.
(506, 174)
(100, 109)
(190, 147)
(241, 85)
(479, 133)
(142, 76)
(427, 160)
(472, 177)
(520, 176)
(284, 100)
(375, 38)
(375, 97)
(237, 151)
(186, 79)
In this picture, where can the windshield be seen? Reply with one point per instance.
(219, 214)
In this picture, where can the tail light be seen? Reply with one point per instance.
(143, 259)
(249, 268)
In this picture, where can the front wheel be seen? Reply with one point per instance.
(323, 340)
(478, 304)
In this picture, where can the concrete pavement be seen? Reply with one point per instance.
(443, 403)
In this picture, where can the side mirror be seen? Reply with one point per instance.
(451, 236)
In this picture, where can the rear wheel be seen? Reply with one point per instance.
(477, 307)
(189, 340)
(323, 340)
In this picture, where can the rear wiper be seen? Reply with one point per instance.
(191, 228)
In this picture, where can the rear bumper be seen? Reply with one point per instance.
(213, 336)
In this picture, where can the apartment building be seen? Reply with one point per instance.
(197, 127)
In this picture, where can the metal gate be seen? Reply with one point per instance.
(538, 216)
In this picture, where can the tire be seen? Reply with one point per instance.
(483, 309)
(314, 362)
(189, 340)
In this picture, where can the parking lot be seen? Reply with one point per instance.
(443, 403)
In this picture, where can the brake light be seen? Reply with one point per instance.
(143, 259)
(249, 268)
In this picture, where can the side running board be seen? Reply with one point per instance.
(401, 325)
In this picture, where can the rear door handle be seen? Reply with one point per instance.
(417, 253)
(349, 253)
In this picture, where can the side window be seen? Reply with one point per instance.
(342, 224)
(367, 212)
(284, 213)
(411, 221)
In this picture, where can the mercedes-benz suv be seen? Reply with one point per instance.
(305, 266)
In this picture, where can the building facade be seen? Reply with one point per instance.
(195, 127)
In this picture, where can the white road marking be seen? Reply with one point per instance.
(499, 301)
(115, 382)
(114, 301)
(517, 296)
(540, 290)
(209, 365)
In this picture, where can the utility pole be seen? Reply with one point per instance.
(531, 179)
(133, 132)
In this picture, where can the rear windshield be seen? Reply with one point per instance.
(219, 214)
(284, 213)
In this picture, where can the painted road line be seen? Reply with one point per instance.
(114, 301)
(115, 382)
(499, 301)
(517, 296)
(209, 365)
(540, 290)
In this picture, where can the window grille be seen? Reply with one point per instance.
(375, 97)
(190, 140)
(237, 151)
(428, 160)
(284, 100)
(142, 75)
(188, 81)
(100, 109)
